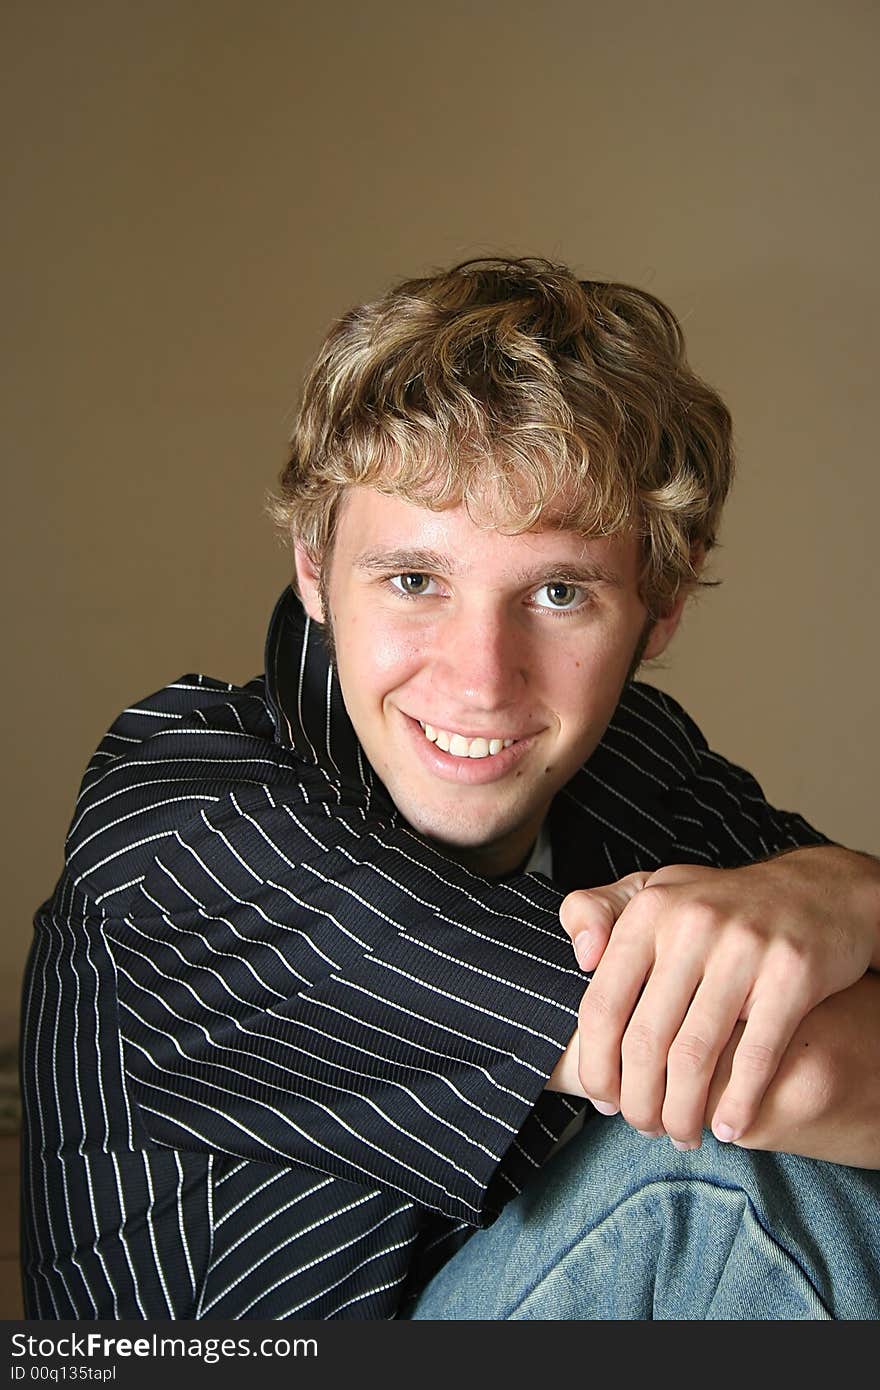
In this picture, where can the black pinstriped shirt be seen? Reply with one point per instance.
(280, 1057)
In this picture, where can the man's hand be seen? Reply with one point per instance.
(824, 1099)
(681, 956)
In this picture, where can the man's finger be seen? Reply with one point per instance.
(768, 1031)
(699, 1042)
(589, 914)
(605, 1011)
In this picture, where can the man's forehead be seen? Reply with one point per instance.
(380, 532)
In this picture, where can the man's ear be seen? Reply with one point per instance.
(665, 628)
(308, 580)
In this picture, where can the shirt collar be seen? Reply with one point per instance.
(305, 698)
(617, 803)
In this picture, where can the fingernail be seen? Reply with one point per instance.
(683, 1147)
(725, 1134)
(604, 1107)
(651, 1133)
(582, 943)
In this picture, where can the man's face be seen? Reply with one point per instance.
(479, 669)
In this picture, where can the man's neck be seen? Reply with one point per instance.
(499, 860)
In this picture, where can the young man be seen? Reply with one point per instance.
(307, 1019)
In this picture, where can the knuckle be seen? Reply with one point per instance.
(648, 902)
(790, 956)
(800, 947)
(794, 965)
(748, 933)
(691, 1053)
(597, 1007)
(701, 918)
(640, 1043)
(755, 1059)
(667, 873)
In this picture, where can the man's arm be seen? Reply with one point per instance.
(301, 979)
(714, 953)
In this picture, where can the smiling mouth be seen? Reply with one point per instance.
(460, 747)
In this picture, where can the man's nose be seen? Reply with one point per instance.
(481, 659)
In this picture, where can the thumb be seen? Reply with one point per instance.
(589, 914)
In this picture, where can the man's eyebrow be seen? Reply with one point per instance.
(581, 571)
(576, 572)
(405, 561)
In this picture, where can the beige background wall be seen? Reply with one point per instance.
(193, 190)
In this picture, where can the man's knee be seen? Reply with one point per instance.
(619, 1226)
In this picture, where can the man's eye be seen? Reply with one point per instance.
(559, 595)
(414, 583)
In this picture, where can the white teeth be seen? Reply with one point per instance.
(461, 747)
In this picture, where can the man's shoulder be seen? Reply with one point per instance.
(184, 712)
(195, 700)
(657, 731)
(200, 730)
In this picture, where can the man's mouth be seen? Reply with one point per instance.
(460, 747)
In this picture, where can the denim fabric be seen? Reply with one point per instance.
(617, 1226)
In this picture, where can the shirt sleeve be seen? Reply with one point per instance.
(302, 979)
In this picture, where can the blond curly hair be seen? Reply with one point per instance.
(533, 398)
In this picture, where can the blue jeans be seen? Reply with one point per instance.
(617, 1226)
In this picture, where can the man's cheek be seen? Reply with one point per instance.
(372, 662)
(389, 654)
